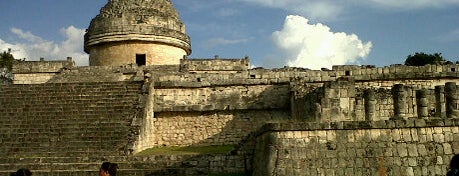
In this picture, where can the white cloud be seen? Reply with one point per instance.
(314, 46)
(35, 47)
(73, 45)
(214, 42)
(26, 35)
(17, 50)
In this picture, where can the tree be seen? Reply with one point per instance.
(421, 59)
(6, 66)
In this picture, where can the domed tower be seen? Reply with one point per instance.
(146, 32)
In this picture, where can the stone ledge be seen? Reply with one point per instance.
(355, 125)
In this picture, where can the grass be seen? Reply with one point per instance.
(187, 150)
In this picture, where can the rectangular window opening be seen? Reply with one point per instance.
(141, 59)
(347, 73)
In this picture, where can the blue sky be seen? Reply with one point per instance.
(273, 33)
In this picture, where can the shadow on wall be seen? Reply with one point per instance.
(373, 143)
(215, 128)
(235, 131)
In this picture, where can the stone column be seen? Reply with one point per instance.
(421, 102)
(370, 104)
(145, 138)
(360, 108)
(451, 100)
(440, 108)
(400, 106)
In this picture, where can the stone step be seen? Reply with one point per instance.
(124, 161)
(61, 159)
(47, 95)
(85, 166)
(54, 153)
(85, 163)
(129, 165)
(104, 117)
(82, 172)
(60, 106)
(178, 170)
(64, 148)
(137, 172)
(65, 136)
(58, 122)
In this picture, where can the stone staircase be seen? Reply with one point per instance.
(69, 128)
(80, 166)
(154, 165)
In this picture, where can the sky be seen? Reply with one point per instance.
(272, 33)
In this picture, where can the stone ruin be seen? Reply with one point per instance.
(145, 32)
(141, 91)
(59, 119)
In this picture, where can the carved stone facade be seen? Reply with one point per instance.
(145, 32)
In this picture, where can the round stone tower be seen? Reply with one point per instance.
(145, 32)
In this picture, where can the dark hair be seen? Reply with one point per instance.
(22, 172)
(454, 162)
(110, 167)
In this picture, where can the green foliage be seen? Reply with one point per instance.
(6, 59)
(6, 66)
(421, 59)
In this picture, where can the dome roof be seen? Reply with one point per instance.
(138, 20)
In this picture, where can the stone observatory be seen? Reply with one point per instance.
(142, 32)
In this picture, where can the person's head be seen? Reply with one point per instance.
(22, 172)
(108, 169)
(454, 164)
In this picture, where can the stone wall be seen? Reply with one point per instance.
(210, 72)
(130, 72)
(210, 128)
(206, 164)
(42, 66)
(218, 115)
(343, 100)
(219, 98)
(34, 78)
(385, 77)
(400, 147)
(38, 72)
(99, 74)
(397, 72)
(217, 64)
(124, 52)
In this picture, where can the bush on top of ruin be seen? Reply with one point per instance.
(421, 59)
(6, 66)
